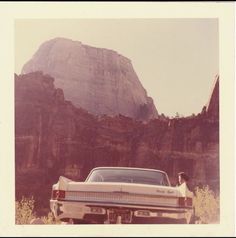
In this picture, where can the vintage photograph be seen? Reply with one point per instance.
(117, 121)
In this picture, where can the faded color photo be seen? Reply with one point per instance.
(117, 121)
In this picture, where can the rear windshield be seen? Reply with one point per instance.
(128, 176)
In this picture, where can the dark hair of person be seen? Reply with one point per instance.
(184, 176)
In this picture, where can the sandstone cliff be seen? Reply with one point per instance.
(55, 138)
(212, 107)
(98, 80)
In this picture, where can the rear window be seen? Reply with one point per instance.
(128, 176)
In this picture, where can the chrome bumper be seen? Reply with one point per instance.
(78, 210)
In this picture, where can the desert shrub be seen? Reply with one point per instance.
(207, 205)
(49, 219)
(24, 211)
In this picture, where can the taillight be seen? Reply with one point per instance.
(181, 201)
(185, 201)
(58, 194)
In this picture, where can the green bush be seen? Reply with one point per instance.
(207, 205)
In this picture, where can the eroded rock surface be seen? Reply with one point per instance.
(98, 80)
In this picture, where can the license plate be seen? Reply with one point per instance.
(119, 216)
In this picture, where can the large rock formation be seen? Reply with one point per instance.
(55, 138)
(98, 80)
(212, 107)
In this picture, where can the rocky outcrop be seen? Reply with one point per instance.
(212, 108)
(55, 138)
(98, 80)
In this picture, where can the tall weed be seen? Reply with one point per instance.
(207, 205)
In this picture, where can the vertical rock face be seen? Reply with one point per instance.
(55, 138)
(213, 105)
(98, 80)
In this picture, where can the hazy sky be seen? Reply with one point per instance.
(175, 59)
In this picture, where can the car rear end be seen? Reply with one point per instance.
(119, 203)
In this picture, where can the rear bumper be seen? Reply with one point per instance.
(97, 212)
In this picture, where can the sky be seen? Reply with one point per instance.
(176, 60)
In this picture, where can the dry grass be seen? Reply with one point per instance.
(25, 212)
(207, 205)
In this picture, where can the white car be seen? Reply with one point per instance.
(121, 195)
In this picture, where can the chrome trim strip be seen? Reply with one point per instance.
(135, 206)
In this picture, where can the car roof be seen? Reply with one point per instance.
(129, 168)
